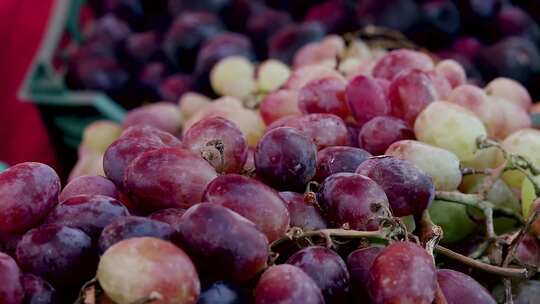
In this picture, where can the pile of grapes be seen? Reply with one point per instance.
(151, 50)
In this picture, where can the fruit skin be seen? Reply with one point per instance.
(338, 159)
(402, 273)
(358, 263)
(28, 191)
(303, 214)
(459, 288)
(11, 290)
(400, 61)
(380, 132)
(526, 143)
(221, 292)
(164, 116)
(453, 219)
(37, 290)
(133, 269)
(366, 98)
(287, 284)
(89, 185)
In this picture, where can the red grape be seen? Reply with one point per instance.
(251, 199)
(89, 185)
(223, 243)
(526, 292)
(167, 177)
(164, 116)
(205, 137)
(11, 290)
(409, 190)
(459, 288)
(134, 269)
(324, 95)
(301, 76)
(528, 251)
(278, 104)
(399, 61)
(304, 215)
(284, 43)
(285, 158)
(338, 159)
(354, 200)
(366, 98)
(128, 227)
(352, 130)
(60, 254)
(359, 262)
(28, 191)
(37, 290)
(380, 132)
(170, 216)
(402, 273)
(287, 284)
(90, 213)
(327, 270)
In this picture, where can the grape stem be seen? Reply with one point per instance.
(520, 273)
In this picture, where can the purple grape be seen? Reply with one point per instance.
(353, 200)
(459, 288)
(170, 216)
(359, 262)
(409, 190)
(37, 290)
(302, 214)
(366, 98)
(176, 85)
(140, 47)
(528, 251)
(262, 25)
(380, 132)
(526, 292)
(89, 185)
(285, 158)
(324, 95)
(223, 244)
(11, 290)
(89, 213)
(287, 284)
(284, 44)
(327, 270)
(338, 159)
(62, 255)
(127, 227)
(222, 293)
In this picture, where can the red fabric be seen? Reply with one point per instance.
(23, 136)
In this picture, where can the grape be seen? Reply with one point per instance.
(401, 61)
(133, 142)
(89, 213)
(409, 190)
(59, 254)
(140, 47)
(358, 263)
(452, 71)
(164, 116)
(303, 214)
(352, 130)
(526, 143)
(222, 293)
(263, 24)
(285, 158)
(459, 288)
(433, 124)
(191, 103)
(249, 166)
(338, 159)
(380, 132)
(288, 40)
(11, 290)
(223, 243)
(528, 251)
(128, 227)
(410, 93)
(98, 135)
(508, 118)
(174, 86)
(278, 104)
(331, 15)
(453, 219)
(220, 142)
(301, 76)
(366, 98)
(287, 284)
(526, 292)
(402, 273)
(327, 270)
(170, 216)
(441, 165)
(271, 75)
(324, 95)
(37, 290)
(441, 84)
(353, 200)
(28, 191)
(315, 53)
(89, 185)
(474, 99)
(510, 90)
(251, 199)
(153, 182)
(132, 270)
(233, 76)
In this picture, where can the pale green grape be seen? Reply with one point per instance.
(525, 142)
(272, 74)
(453, 219)
(233, 76)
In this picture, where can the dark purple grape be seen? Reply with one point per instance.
(262, 25)
(402, 273)
(303, 214)
(528, 251)
(97, 73)
(440, 21)
(352, 131)
(28, 192)
(170, 216)
(110, 29)
(396, 14)
(331, 15)
(214, 6)
(353, 200)
(62, 255)
(222, 293)
(287, 284)
(409, 190)
(380, 132)
(327, 270)
(90, 213)
(526, 292)
(284, 44)
(359, 262)
(223, 244)
(89, 185)
(11, 290)
(338, 159)
(127, 227)
(459, 288)
(37, 290)
(176, 85)
(140, 47)
(251, 199)
(285, 158)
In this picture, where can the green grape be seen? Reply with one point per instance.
(525, 142)
(528, 196)
(453, 219)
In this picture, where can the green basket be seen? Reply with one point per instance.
(65, 112)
